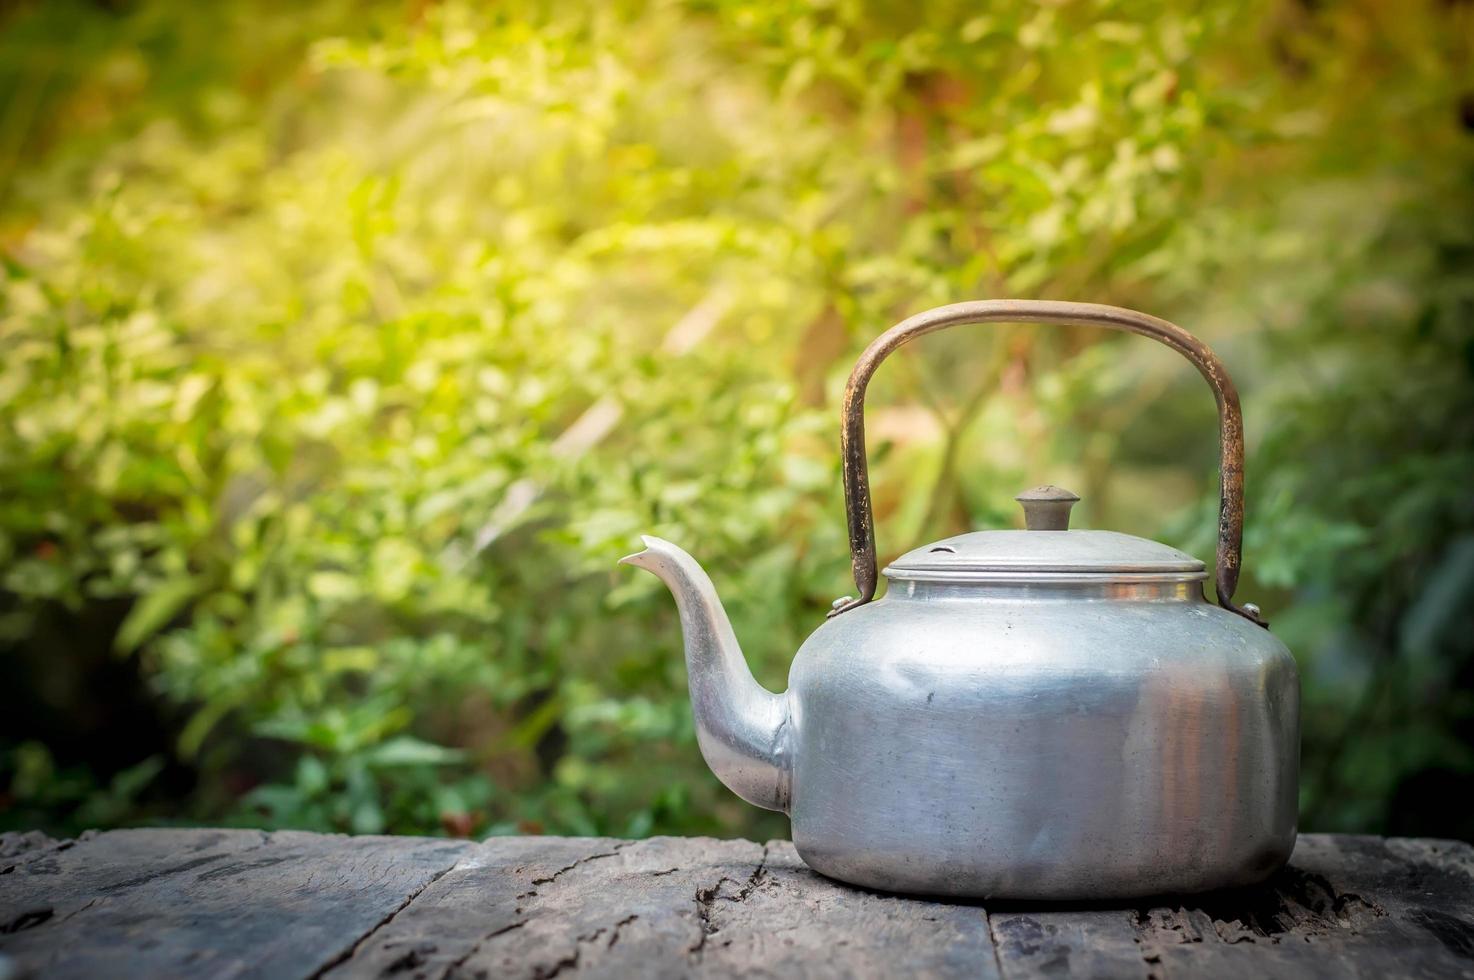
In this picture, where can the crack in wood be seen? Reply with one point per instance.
(1456, 935)
(143, 879)
(412, 959)
(583, 860)
(547, 973)
(571, 961)
(557, 967)
(241, 867)
(614, 937)
(1295, 902)
(148, 876)
(455, 965)
(993, 941)
(358, 944)
(79, 911)
(28, 919)
(706, 899)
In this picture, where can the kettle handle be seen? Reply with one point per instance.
(1230, 423)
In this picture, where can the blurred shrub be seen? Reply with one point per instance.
(345, 349)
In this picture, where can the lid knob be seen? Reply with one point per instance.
(1047, 508)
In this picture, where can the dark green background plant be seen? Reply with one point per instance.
(297, 298)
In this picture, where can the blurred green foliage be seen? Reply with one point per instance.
(302, 302)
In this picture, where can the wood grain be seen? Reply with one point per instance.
(1345, 907)
(234, 903)
(220, 903)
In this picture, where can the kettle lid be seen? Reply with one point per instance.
(1046, 552)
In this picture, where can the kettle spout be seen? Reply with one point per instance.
(742, 726)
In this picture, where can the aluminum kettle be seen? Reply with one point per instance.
(1026, 714)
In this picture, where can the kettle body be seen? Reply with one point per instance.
(1036, 743)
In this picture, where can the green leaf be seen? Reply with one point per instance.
(152, 612)
(405, 750)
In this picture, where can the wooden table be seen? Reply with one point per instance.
(227, 903)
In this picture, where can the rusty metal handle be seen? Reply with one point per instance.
(1230, 423)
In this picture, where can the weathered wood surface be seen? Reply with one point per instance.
(224, 903)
